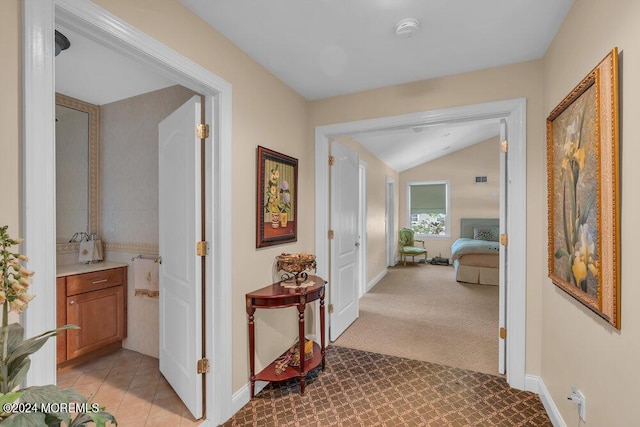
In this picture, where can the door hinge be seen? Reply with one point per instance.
(331, 234)
(332, 160)
(330, 308)
(504, 146)
(202, 248)
(203, 131)
(504, 239)
(503, 333)
(203, 366)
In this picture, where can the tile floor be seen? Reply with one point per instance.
(131, 387)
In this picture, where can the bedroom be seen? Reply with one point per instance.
(459, 167)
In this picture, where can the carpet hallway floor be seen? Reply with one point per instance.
(360, 388)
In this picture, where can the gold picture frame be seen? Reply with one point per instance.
(583, 192)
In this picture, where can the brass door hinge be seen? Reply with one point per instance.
(331, 234)
(332, 160)
(330, 308)
(504, 146)
(504, 239)
(203, 366)
(202, 131)
(202, 248)
(503, 333)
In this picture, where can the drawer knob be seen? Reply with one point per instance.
(95, 282)
(72, 302)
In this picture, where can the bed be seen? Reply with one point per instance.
(476, 254)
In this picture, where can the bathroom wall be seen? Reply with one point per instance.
(129, 202)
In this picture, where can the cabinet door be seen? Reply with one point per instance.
(100, 315)
(61, 319)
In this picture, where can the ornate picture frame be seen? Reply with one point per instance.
(277, 199)
(583, 192)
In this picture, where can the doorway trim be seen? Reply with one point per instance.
(362, 226)
(514, 113)
(38, 210)
(390, 220)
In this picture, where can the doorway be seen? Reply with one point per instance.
(39, 181)
(513, 112)
(390, 222)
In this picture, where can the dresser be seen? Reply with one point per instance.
(93, 297)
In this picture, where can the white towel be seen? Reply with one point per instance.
(145, 277)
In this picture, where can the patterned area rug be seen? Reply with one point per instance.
(360, 388)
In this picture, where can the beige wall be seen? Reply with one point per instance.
(522, 80)
(578, 348)
(10, 107)
(377, 173)
(468, 199)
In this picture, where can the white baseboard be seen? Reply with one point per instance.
(535, 384)
(243, 396)
(376, 279)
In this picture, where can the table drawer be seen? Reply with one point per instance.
(94, 281)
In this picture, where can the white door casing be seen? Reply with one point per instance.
(180, 220)
(514, 112)
(344, 246)
(390, 222)
(502, 280)
(362, 225)
(38, 222)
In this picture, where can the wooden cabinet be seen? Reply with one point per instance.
(97, 302)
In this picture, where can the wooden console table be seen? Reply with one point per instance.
(277, 296)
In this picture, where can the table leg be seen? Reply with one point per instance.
(302, 341)
(252, 344)
(322, 325)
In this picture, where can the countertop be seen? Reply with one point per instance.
(70, 269)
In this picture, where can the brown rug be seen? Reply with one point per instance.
(360, 388)
(420, 312)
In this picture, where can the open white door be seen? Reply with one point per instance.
(180, 219)
(502, 292)
(344, 246)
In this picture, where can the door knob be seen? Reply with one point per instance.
(72, 302)
(357, 244)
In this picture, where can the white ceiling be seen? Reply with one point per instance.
(96, 74)
(323, 48)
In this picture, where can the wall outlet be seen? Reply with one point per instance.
(578, 398)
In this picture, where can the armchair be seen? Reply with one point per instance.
(407, 246)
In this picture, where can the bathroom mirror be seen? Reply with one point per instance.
(77, 161)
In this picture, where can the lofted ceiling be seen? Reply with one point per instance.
(324, 48)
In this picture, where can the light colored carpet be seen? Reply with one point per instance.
(420, 312)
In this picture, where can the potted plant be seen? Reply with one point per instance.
(36, 405)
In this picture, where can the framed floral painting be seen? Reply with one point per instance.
(277, 209)
(583, 192)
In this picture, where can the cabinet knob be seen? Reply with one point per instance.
(72, 302)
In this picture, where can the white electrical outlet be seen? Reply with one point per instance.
(578, 398)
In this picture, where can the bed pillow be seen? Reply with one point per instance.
(491, 234)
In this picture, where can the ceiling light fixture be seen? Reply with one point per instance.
(62, 42)
(407, 27)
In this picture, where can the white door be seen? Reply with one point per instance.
(180, 219)
(502, 292)
(344, 246)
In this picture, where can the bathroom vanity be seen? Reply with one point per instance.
(94, 297)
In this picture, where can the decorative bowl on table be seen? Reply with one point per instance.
(295, 266)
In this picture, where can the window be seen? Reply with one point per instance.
(429, 208)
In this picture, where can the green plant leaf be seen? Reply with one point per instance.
(33, 419)
(29, 346)
(18, 374)
(98, 418)
(9, 397)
